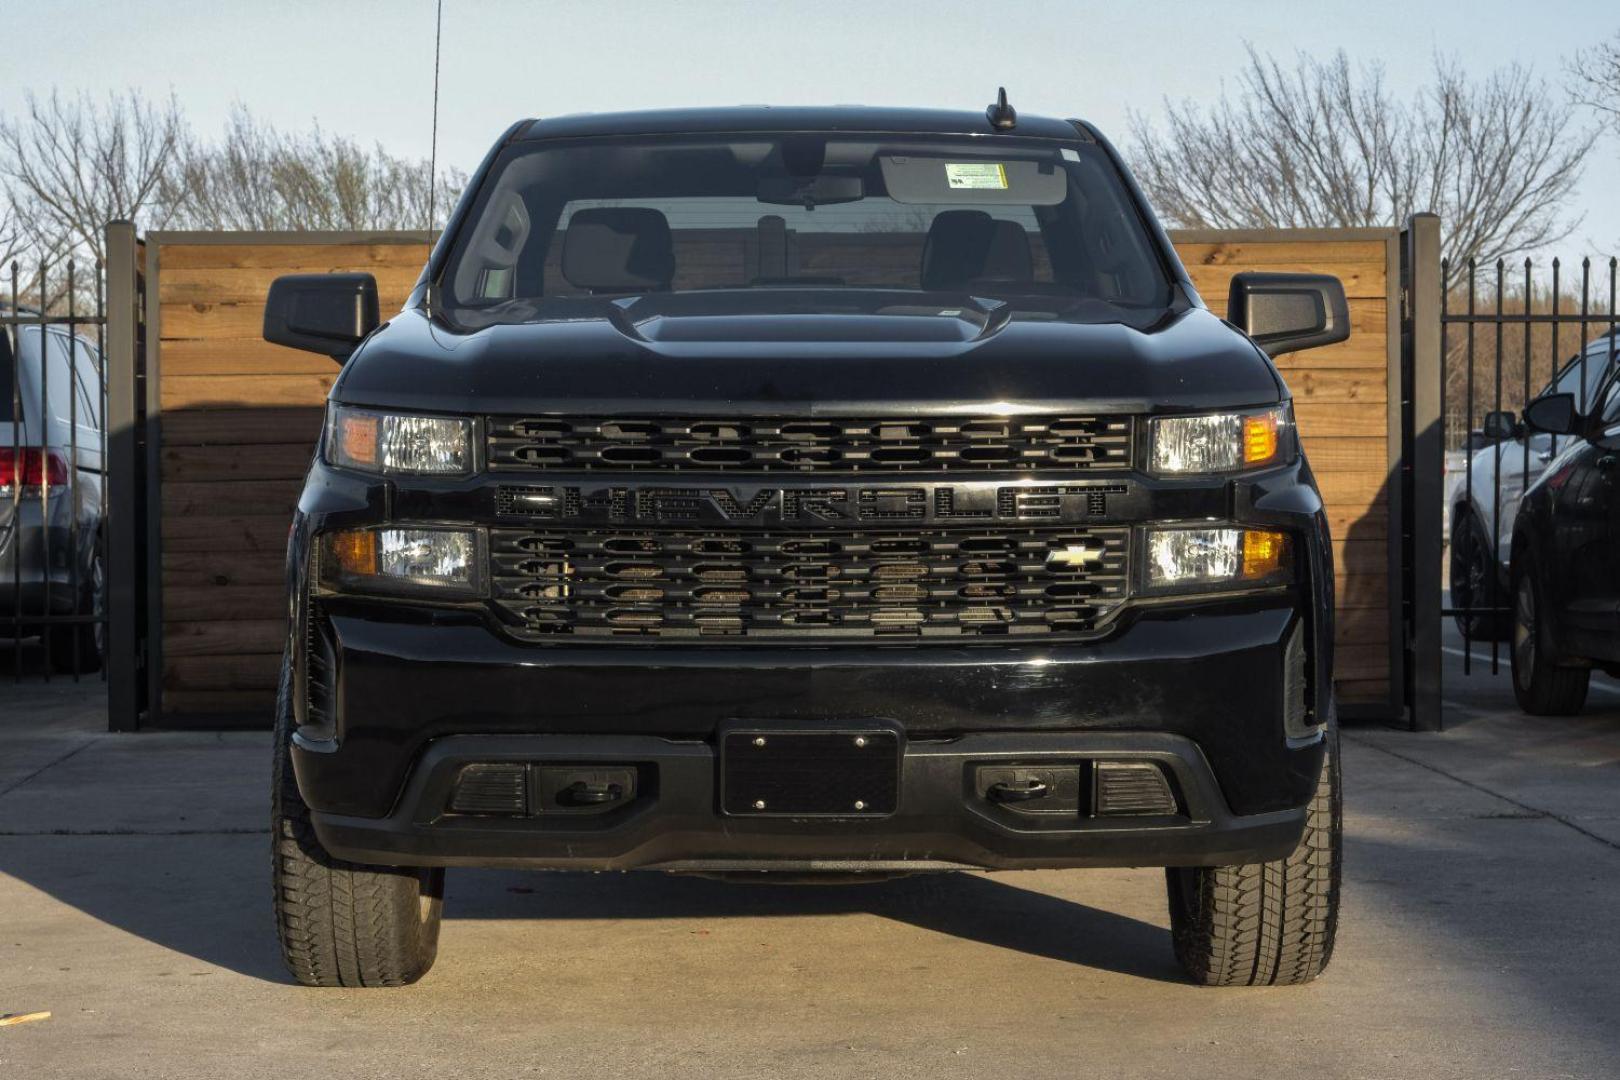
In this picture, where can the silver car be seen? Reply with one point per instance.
(52, 503)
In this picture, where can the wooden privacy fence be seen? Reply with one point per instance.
(232, 422)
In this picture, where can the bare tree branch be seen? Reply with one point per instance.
(257, 177)
(1594, 77)
(1325, 144)
(73, 164)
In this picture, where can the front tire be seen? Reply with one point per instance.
(342, 923)
(1266, 924)
(1542, 687)
(1473, 570)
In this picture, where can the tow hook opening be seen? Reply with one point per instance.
(1100, 788)
(529, 789)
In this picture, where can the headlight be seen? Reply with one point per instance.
(1180, 559)
(1222, 442)
(408, 559)
(382, 442)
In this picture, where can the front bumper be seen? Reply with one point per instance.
(940, 823)
(1198, 685)
(1197, 689)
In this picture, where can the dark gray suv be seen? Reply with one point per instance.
(51, 493)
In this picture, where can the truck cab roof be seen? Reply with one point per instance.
(743, 118)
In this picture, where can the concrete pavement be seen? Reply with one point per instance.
(1480, 937)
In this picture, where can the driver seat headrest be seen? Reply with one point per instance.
(964, 246)
(618, 249)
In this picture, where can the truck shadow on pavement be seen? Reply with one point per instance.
(973, 907)
(207, 896)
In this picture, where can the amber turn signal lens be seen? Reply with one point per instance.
(1259, 438)
(357, 437)
(1264, 553)
(354, 552)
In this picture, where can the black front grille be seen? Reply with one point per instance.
(811, 446)
(914, 584)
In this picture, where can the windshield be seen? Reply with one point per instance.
(1046, 227)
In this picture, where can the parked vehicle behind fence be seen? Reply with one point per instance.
(1566, 553)
(51, 492)
(795, 494)
(1482, 515)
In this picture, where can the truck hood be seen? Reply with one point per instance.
(630, 357)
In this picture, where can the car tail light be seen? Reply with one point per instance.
(34, 465)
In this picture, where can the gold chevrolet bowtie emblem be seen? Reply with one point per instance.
(1073, 556)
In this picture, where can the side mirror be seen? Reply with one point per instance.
(1554, 414)
(1289, 312)
(1501, 426)
(323, 313)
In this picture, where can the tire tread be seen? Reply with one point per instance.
(1266, 924)
(342, 923)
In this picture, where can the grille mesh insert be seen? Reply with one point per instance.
(1068, 443)
(953, 584)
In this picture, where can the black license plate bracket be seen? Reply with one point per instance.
(846, 771)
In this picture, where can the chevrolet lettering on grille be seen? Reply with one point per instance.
(961, 504)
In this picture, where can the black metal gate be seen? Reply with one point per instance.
(1507, 335)
(53, 458)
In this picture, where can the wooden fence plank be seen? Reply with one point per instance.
(207, 426)
(222, 569)
(242, 391)
(1361, 626)
(184, 534)
(293, 258)
(231, 498)
(240, 356)
(1321, 419)
(215, 603)
(246, 671)
(1363, 455)
(234, 703)
(213, 638)
(1362, 691)
(215, 284)
(253, 461)
(1362, 591)
(1339, 386)
(1361, 661)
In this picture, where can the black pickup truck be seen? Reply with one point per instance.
(806, 494)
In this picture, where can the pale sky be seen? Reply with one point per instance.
(364, 68)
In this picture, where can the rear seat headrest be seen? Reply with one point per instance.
(618, 249)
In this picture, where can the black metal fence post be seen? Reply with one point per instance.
(126, 512)
(1423, 467)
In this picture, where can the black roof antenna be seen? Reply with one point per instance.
(1001, 114)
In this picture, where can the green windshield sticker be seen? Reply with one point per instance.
(979, 174)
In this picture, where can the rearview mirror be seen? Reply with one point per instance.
(1500, 426)
(323, 313)
(1553, 413)
(1289, 312)
(820, 190)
